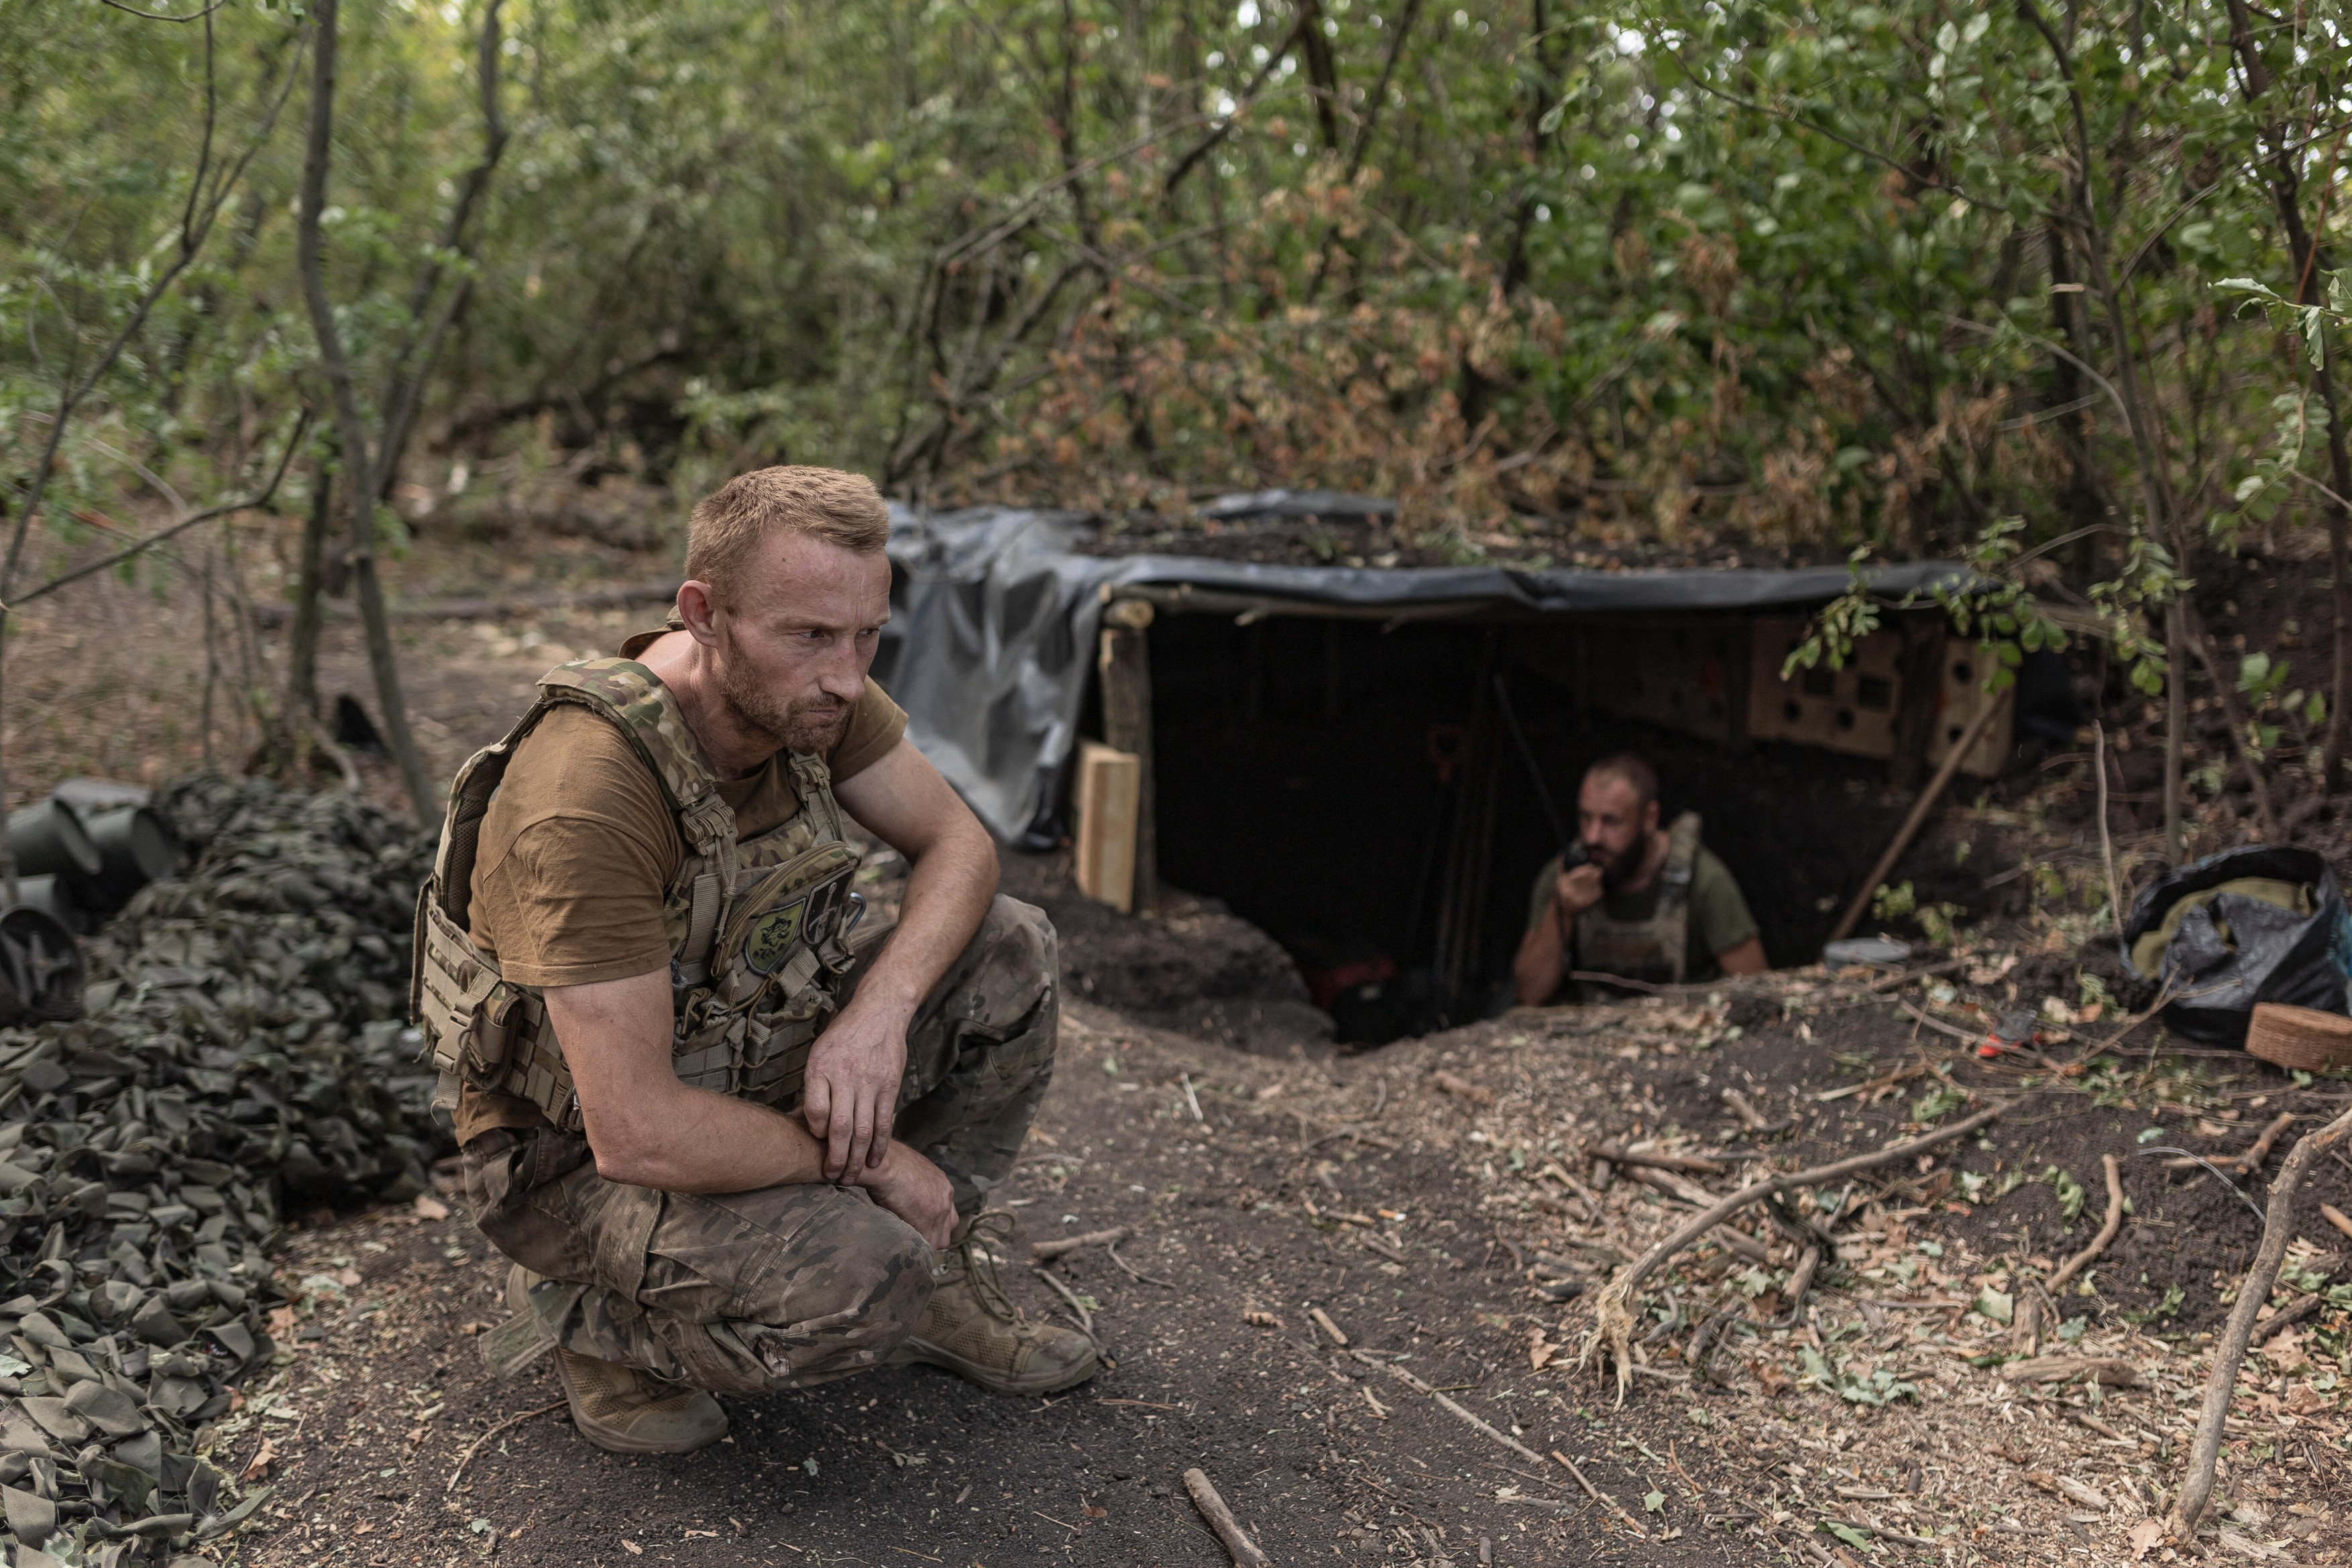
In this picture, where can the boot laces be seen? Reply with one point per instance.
(976, 1245)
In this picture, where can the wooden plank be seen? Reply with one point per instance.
(1125, 668)
(1103, 853)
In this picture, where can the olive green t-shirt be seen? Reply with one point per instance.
(1719, 920)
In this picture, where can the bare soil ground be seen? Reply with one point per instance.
(1417, 1218)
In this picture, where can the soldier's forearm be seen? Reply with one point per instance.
(1542, 957)
(704, 1143)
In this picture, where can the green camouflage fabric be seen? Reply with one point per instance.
(790, 1284)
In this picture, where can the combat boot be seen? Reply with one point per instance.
(972, 1328)
(620, 1408)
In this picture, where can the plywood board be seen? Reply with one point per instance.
(1109, 797)
(1960, 695)
(1851, 709)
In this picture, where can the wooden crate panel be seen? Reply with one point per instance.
(1110, 795)
(1958, 698)
(1851, 709)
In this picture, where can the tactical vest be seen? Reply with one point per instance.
(758, 930)
(1656, 950)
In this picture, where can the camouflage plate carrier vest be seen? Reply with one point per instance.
(757, 930)
(1656, 950)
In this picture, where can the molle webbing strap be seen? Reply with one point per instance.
(812, 781)
(708, 826)
(1682, 859)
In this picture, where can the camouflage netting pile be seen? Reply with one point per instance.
(241, 1052)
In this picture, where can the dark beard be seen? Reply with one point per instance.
(811, 725)
(1620, 870)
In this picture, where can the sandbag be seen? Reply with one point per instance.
(2260, 924)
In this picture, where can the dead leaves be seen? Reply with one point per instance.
(1541, 1351)
(264, 1458)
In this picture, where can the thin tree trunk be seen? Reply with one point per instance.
(2176, 721)
(302, 638)
(358, 485)
(212, 662)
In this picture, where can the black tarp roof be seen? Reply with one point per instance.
(998, 609)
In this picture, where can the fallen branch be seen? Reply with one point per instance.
(1801, 1281)
(1046, 1251)
(1691, 1165)
(1418, 1386)
(1603, 1499)
(1132, 1271)
(2337, 1217)
(2254, 1291)
(1085, 1319)
(2278, 1322)
(1746, 1111)
(1613, 1322)
(1699, 1197)
(475, 1445)
(1238, 1546)
(1584, 1194)
(1971, 1036)
(2247, 1164)
(1454, 1084)
(1901, 978)
(2108, 1371)
(2107, 1228)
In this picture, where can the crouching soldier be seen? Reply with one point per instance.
(732, 1139)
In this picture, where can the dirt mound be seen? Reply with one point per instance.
(1193, 967)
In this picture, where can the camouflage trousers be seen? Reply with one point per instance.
(790, 1284)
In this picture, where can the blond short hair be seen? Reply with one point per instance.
(728, 523)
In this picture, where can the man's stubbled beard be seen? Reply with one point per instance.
(811, 724)
(1616, 869)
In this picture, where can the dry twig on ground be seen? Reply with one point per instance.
(2254, 1291)
(475, 1445)
(1420, 1387)
(1692, 1164)
(2107, 1228)
(2029, 1325)
(2247, 1164)
(1238, 1546)
(1614, 1320)
(1046, 1251)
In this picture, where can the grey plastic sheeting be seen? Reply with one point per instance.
(997, 612)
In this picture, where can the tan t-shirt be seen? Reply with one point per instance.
(579, 846)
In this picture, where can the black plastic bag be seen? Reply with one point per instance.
(2258, 924)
